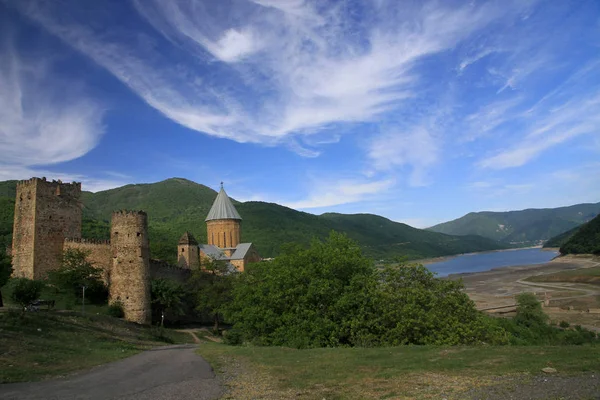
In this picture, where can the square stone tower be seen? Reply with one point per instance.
(45, 214)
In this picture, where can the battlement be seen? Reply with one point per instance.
(129, 213)
(87, 241)
(56, 187)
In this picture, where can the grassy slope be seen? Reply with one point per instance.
(389, 372)
(526, 226)
(580, 275)
(45, 344)
(585, 241)
(178, 205)
(561, 239)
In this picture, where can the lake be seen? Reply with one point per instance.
(476, 262)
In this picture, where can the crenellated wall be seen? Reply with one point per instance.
(99, 253)
(162, 269)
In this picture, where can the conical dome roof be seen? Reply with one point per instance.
(222, 208)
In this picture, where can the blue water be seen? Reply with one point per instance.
(476, 262)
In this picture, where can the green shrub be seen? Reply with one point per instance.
(116, 309)
(564, 324)
(233, 337)
(25, 291)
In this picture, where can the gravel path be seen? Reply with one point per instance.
(164, 373)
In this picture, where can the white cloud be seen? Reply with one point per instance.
(327, 194)
(547, 129)
(295, 68)
(43, 119)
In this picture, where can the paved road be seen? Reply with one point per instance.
(164, 373)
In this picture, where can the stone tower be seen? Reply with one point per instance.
(45, 214)
(223, 223)
(188, 252)
(130, 274)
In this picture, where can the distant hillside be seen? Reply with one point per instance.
(585, 241)
(559, 240)
(178, 205)
(520, 228)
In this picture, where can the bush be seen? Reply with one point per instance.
(564, 324)
(25, 291)
(233, 337)
(116, 309)
(330, 295)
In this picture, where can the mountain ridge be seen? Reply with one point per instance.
(531, 226)
(177, 205)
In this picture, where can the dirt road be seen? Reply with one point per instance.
(170, 372)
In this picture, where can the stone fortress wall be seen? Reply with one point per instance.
(45, 214)
(48, 221)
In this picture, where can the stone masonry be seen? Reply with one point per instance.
(130, 274)
(45, 214)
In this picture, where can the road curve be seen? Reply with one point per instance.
(163, 373)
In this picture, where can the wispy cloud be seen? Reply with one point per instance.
(305, 65)
(43, 119)
(327, 194)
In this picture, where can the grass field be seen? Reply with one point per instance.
(399, 372)
(52, 343)
(581, 275)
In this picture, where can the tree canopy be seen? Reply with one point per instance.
(330, 295)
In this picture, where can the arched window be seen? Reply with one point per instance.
(224, 239)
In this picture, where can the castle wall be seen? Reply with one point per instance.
(45, 214)
(98, 253)
(164, 270)
(224, 232)
(130, 274)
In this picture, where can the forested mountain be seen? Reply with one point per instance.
(585, 241)
(178, 205)
(520, 228)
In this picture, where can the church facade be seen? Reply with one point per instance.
(223, 232)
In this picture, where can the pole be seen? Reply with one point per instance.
(83, 300)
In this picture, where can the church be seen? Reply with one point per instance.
(223, 233)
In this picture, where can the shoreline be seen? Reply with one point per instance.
(434, 260)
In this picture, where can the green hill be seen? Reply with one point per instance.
(585, 241)
(177, 205)
(559, 240)
(520, 228)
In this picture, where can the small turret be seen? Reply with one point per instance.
(188, 252)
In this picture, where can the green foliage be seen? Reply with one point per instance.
(529, 310)
(330, 295)
(525, 227)
(75, 272)
(5, 272)
(25, 291)
(564, 324)
(585, 241)
(559, 240)
(166, 297)
(211, 287)
(115, 309)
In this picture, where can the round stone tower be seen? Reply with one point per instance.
(130, 274)
(223, 223)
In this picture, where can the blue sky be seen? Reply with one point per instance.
(417, 111)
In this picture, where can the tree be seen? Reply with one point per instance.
(75, 272)
(5, 272)
(331, 295)
(25, 291)
(211, 286)
(529, 310)
(166, 297)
